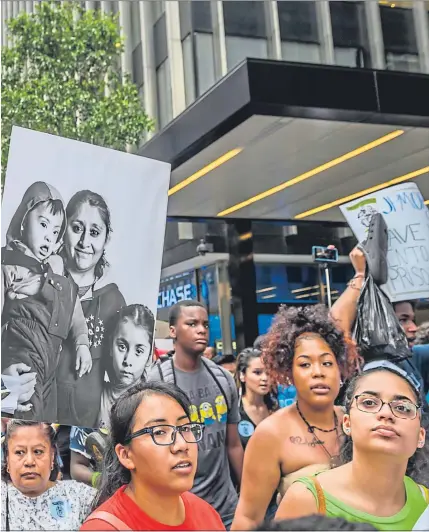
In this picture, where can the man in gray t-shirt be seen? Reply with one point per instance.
(213, 396)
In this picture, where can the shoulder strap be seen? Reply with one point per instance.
(321, 501)
(165, 376)
(425, 492)
(108, 518)
(222, 391)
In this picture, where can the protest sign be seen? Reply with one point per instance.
(407, 219)
(82, 241)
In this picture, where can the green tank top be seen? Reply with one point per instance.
(405, 519)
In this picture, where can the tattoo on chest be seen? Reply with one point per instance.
(297, 440)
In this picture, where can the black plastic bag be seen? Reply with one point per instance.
(378, 332)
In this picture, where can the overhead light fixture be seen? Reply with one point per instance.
(262, 290)
(427, 202)
(313, 172)
(304, 296)
(245, 236)
(212, 166)
(268, 297)
(297, 290)
(356, 195)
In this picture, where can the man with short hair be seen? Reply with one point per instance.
(214, 402)
(404, 311)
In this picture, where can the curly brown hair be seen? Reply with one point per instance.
(290, 323)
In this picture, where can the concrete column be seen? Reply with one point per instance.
(30, 6)
(125, 28)
(219, 42)
(375, 35)
(150, 97)
(106, 6)
(273, 30)
(175, 57)
(4, 16)
(89, 4)
(15, 9)
(325, 32)
(421, 25)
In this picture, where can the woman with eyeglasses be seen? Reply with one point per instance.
(386, 456)
(150, 465)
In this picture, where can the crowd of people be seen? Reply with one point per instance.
(201, 443)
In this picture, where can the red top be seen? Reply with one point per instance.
(199, 515)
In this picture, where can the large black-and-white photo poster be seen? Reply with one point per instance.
(82, 241)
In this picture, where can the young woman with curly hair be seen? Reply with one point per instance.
(304, 348)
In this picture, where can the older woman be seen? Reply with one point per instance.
(150, 465)
(85, 240)
(32, 498)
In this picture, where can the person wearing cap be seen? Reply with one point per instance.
(386, 471)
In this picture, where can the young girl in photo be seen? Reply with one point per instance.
(128, 353)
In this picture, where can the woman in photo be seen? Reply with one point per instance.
(87, 234)
(128, 351)
(32, 497)
(150, 465)
(386, 457)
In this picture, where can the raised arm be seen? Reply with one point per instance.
(344, 309)
(261, 476)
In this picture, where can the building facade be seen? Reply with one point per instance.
(175, 51)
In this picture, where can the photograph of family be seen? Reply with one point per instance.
(82, 240)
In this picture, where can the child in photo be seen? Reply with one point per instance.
(128, 354)
(39, 304)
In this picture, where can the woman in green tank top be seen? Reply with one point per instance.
(386, 456)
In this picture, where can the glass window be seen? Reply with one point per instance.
(238, 48)
(135, 24)
(301, 52)
(399, 37)
(206, 77)
(349, 32)
(280, 283)
(158, 8)
(137, 59)
(245, 31)
(188, 65)
(245, 19)
(163, 85)
(299, 31)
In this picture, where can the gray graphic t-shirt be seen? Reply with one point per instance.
(213, 481)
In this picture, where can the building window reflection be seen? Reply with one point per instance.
(163, 85)
(299, 31)
(189, 69)
(205, 65)
(399, 35)
(349, 33)
(245, 31)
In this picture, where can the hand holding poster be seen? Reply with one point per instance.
(82, 241)
(407, 219)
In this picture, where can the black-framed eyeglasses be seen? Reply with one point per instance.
(166, 434)
(401, 408)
